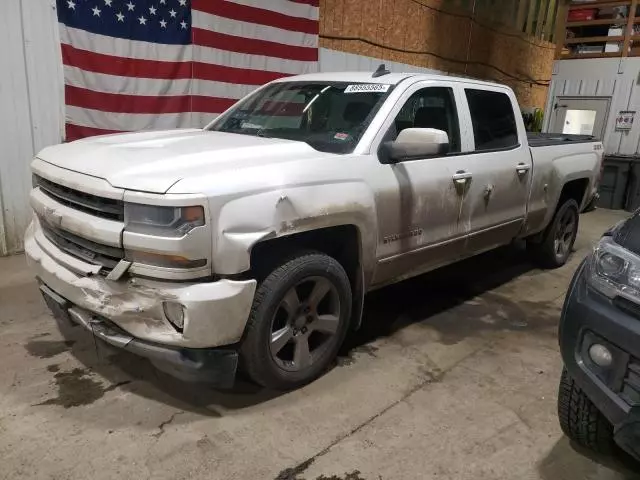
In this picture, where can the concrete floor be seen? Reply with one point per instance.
(453, 377)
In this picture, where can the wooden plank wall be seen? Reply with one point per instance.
(443, 35)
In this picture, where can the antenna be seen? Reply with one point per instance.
(382, 70)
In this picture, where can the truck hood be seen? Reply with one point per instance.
(154, 161)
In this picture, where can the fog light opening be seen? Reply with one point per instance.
(600, 355)
(175, 314)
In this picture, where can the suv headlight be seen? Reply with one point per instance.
(615, 271)
(162, 221)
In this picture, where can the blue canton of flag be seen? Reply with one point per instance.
(156, 21)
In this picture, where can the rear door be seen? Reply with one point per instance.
(500, 166)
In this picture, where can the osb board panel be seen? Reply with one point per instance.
(403, 31)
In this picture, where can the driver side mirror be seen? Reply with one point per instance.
(415, 144)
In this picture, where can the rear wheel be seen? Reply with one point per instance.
(580, 420)
(558, 239)
(298, 321)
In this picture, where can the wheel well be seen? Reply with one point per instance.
(575, 189)
(340, 242)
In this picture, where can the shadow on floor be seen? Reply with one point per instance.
(568, 461)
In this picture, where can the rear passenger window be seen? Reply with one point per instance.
(494, 124)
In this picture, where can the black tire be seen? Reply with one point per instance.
(545, 252)
(260, 363)
(580, 420)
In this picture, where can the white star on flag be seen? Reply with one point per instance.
(143, 21)
(120, 16)
(183, 3)
(130, 6)
(183, 24)
(163, 2)
(152, 10)
(163, 24)
(107, 3)
(96, 11)
(71, 5)
(173, 13)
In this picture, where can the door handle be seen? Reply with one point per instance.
(461, 177)
(522, 168)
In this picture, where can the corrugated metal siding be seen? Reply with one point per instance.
(31, 102)
(614, 78)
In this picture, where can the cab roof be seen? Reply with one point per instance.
(388, 79)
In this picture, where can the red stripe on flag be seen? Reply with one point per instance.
(204, 104)
(125, 67)
(207, 38)
(120, 103)
(75, 132)
(241, 76)
(243, 13)
(117, 103)
(313, 3)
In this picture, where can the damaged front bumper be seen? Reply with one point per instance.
(129, 313)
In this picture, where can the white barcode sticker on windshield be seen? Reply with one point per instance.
(367, 88)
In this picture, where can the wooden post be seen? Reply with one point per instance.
(522, 15)
(530, 17)
(542, 15)
(551, 18)
(628, 33)
(560, 34)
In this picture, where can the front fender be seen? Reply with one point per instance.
(245, 221)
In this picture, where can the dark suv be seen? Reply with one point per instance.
(599, 398)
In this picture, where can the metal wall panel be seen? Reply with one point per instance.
(614, 78)
(31, 102)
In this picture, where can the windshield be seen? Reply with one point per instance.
(330, 117)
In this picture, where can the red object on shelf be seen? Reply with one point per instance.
(582, 14)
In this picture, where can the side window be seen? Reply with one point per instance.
(494, 124)
(432, 107)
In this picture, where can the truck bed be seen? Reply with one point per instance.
(549, 139)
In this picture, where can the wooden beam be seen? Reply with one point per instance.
(530, 17)
(560, 35)
(602, 38)
(522, 15)
(551, 18)
(580, 6)
(600, 21)
(590, 55)
(541, 18)
(628, 31)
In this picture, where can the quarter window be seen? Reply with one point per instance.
(494, 124)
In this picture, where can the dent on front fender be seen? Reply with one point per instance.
(246, 221)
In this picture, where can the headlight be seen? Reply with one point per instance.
(162, 221)
(615, 271)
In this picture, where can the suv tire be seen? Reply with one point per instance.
(298, 321)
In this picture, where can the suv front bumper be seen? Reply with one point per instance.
(590, 318)
(215, 313)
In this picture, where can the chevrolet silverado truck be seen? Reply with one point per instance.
(251, 243)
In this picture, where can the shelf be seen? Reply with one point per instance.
(604, 21)
(591, 55)
(604, 39)
(599, 4)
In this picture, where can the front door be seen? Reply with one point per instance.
(579, 116)
(419, 202)
(501, 169)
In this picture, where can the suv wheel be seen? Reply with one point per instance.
(558, 239)
(580, 420)
(298, 321)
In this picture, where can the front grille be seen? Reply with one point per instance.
(631, 383)
(86, 250)
(99, 206)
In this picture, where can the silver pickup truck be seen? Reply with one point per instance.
(253, 241)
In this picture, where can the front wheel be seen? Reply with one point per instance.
(558, 239)
(298, 321)
(581, 420)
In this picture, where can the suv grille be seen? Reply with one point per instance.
(99, 206)
(631, 383)
(86, 250)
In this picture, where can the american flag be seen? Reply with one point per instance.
(154, 64)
